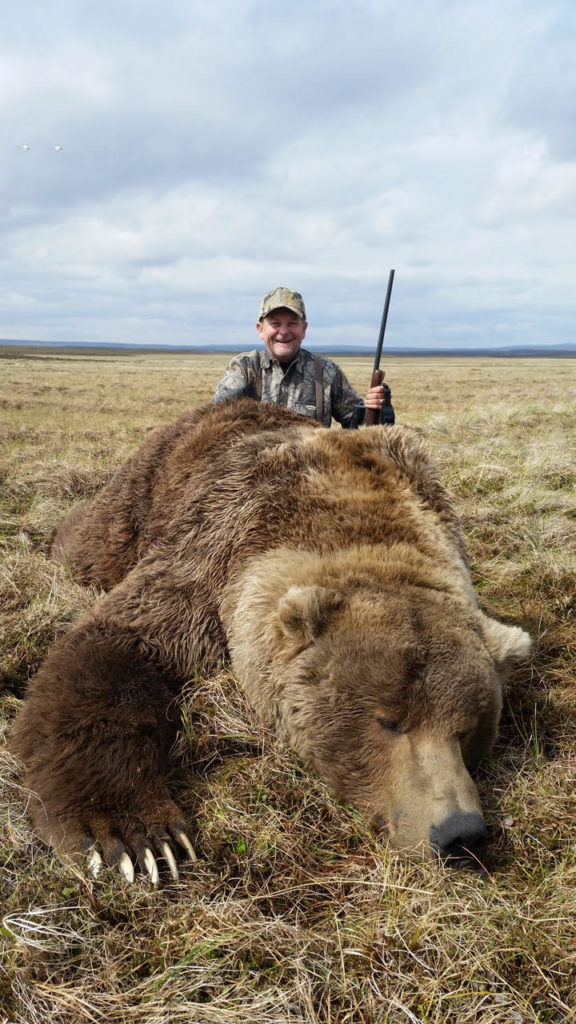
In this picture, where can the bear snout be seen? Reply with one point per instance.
(460, 840)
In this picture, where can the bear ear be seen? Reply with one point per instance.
(507, 644)
(304, 611)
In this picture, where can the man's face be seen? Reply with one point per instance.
(282, 332)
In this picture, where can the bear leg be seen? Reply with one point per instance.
(94, 733)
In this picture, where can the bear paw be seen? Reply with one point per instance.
(143, 849)
(127, 841)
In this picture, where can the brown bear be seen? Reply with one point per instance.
(329, 566)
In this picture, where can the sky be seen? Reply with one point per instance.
(211, 152)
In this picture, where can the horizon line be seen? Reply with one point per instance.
(565, 348)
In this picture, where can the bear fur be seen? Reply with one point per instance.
(329, 566)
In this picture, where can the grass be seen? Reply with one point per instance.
(296, 913)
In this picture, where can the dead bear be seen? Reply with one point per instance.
(329, 566)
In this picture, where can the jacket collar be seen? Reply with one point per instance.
(299, 359)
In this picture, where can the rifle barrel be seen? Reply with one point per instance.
(384, 319)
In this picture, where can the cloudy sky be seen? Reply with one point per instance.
(214, 151)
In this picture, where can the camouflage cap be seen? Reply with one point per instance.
(282, 298)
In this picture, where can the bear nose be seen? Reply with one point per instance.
(460, 840)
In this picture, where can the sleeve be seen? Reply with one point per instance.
(345, 401)
(237, 381)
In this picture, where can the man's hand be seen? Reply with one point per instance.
(374, 397)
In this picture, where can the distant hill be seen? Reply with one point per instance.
(567, 350)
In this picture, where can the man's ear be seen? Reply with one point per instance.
(304, 611)
(507, 644)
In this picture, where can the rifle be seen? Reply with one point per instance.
(386, 413)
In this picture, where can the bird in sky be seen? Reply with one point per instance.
(23, 146)
(58, 149)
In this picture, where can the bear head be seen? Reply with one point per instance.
(390, 688)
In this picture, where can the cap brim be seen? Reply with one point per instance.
(283, 305)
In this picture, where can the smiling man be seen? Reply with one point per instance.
(288, 375)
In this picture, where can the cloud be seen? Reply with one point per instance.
(213, 152)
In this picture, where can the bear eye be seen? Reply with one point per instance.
(467, 733)
(387, 724)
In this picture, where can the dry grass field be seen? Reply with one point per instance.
(296, 913)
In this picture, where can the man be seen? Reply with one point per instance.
(286, 374)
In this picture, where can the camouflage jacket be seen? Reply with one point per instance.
(256, 375)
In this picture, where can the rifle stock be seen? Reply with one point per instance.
(372, 416)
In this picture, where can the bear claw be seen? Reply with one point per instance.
(185, 842)
(95, 862)
(151, 866)
(126, 868)
(170, 860)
